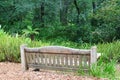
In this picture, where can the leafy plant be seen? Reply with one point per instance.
(102, 69)
(30, 32)
(106, 21)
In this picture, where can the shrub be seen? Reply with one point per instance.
(106, 21)
(9, 47)
(60, 32)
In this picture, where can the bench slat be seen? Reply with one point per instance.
(57, 57)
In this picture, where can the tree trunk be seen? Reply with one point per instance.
(38, 20)
(78, 11)
(63, 11)
(42, 14)
(32, 36)
(94, 6)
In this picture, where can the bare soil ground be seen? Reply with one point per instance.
(12, 71)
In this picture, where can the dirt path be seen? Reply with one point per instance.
(12, 71)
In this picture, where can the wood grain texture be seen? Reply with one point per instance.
(57, 50)
(93, 53)
(23, 58)
(57, 57)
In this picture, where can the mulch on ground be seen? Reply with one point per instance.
(13, 71)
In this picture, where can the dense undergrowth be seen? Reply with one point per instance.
(105, 67)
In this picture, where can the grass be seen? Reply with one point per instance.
(110, 50)
(105, 67)
(105, 70)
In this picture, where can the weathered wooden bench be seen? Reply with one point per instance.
(57, 58)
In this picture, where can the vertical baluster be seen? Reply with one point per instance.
(38, 58)
(62, 60)
(54, 60)
(30, 57)
(66, 60)
(46, 62)
(88, 61)
(33, 58)
(80, 60)
(71, 60)
(41, 56)
(85, 61)
(75, 61)
(50, 59)
(27, 57)
(58, 60)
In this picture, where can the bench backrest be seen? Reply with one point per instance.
(57, 58)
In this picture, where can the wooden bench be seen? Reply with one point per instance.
(57, 58)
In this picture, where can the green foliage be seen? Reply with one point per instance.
(30, 32)
(9, 47)
(110, 51)
(67, 33)
(61, 32)
(81, 22)
(105, 70)
(106, 65)
(106, 21)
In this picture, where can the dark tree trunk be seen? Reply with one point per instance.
(63, 11)
(63, 17)
(32, 36)
(78, 11)
(42, 14)
(94, 6)
(93, 20)
(38, 20)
